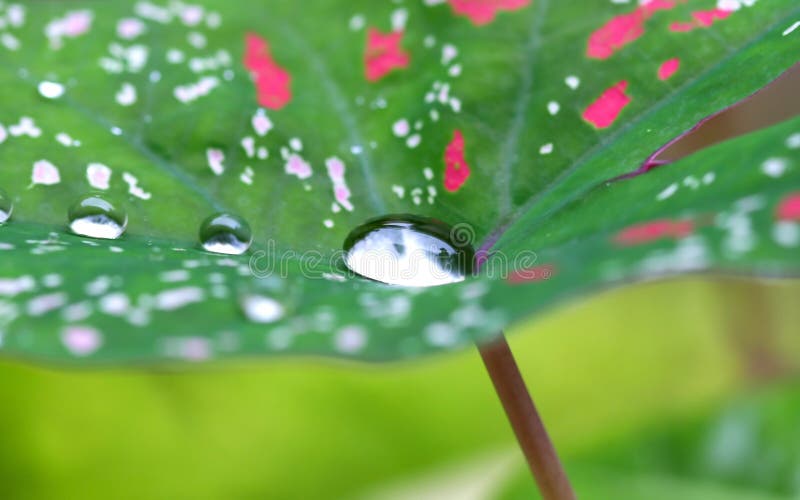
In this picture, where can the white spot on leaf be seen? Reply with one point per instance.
(215, 158)
(45, 173)
(81, 340)
(98, 175)
(126, 96)
(667, 192)
(133, 186)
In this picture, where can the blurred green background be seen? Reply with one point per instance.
(679, 389)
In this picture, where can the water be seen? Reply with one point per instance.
(225, 233)
(411, 251)
(96, 217)
(6, 207)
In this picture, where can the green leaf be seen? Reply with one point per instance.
(159, 96)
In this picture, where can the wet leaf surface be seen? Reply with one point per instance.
(507, 122)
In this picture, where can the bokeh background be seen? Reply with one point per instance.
(678, 389)
(671, 390)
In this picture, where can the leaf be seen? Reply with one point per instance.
(181, 104)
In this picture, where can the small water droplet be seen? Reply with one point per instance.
(96, 217)
(409, 250)
(51, 90)
(225, 233)
(6, 206)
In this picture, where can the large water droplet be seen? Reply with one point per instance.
(411, 251)
(6, 206)
(96, 217)
(225, 233)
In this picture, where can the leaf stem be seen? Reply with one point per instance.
(528, 426)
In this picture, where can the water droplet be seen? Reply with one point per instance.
(6, 206)
(96, 217)
(411, 251)
(225, 233)
(51, 90)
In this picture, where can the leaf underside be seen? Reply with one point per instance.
(222, 106)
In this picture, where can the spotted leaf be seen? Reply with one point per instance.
(530, 126)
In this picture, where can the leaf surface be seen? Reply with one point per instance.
(506, 122)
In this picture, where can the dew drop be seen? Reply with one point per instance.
(6, 207)
(96, 217)
(225, 233)
(411, 251)
(50, 90)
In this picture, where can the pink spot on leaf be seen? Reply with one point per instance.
(789, 208)
(272, 81)
(623, 29)
(383, 54)
(668, 68)
(604, 111)
(195, 349)
(341, 192)
(457, 170)
(130, 28)
(191, 15)
(531, 274)
(700, 19)
(45, 173)
(297, 166)
(98, 175)
(81, 340)
(654, 230)
(482, 12)
(261, 123)
(215, 158)
(72, 25)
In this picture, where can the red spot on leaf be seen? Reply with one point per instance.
(789, 208)
(272, 81)
(605, 110)
(668, 68)
(532, 274)
(623, 29)
(482, 12)
(700, 19)
(456, 170)
(383, 54)
(654, 230)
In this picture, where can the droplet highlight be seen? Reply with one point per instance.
(226, 234)
(409, 250)
(6, 207)
(96, 217)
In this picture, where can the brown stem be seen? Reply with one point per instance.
(531, 434)
(748, 317)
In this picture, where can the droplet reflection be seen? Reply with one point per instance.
(226, 234)
(411, 251)
(96, 217)
(6, 207)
